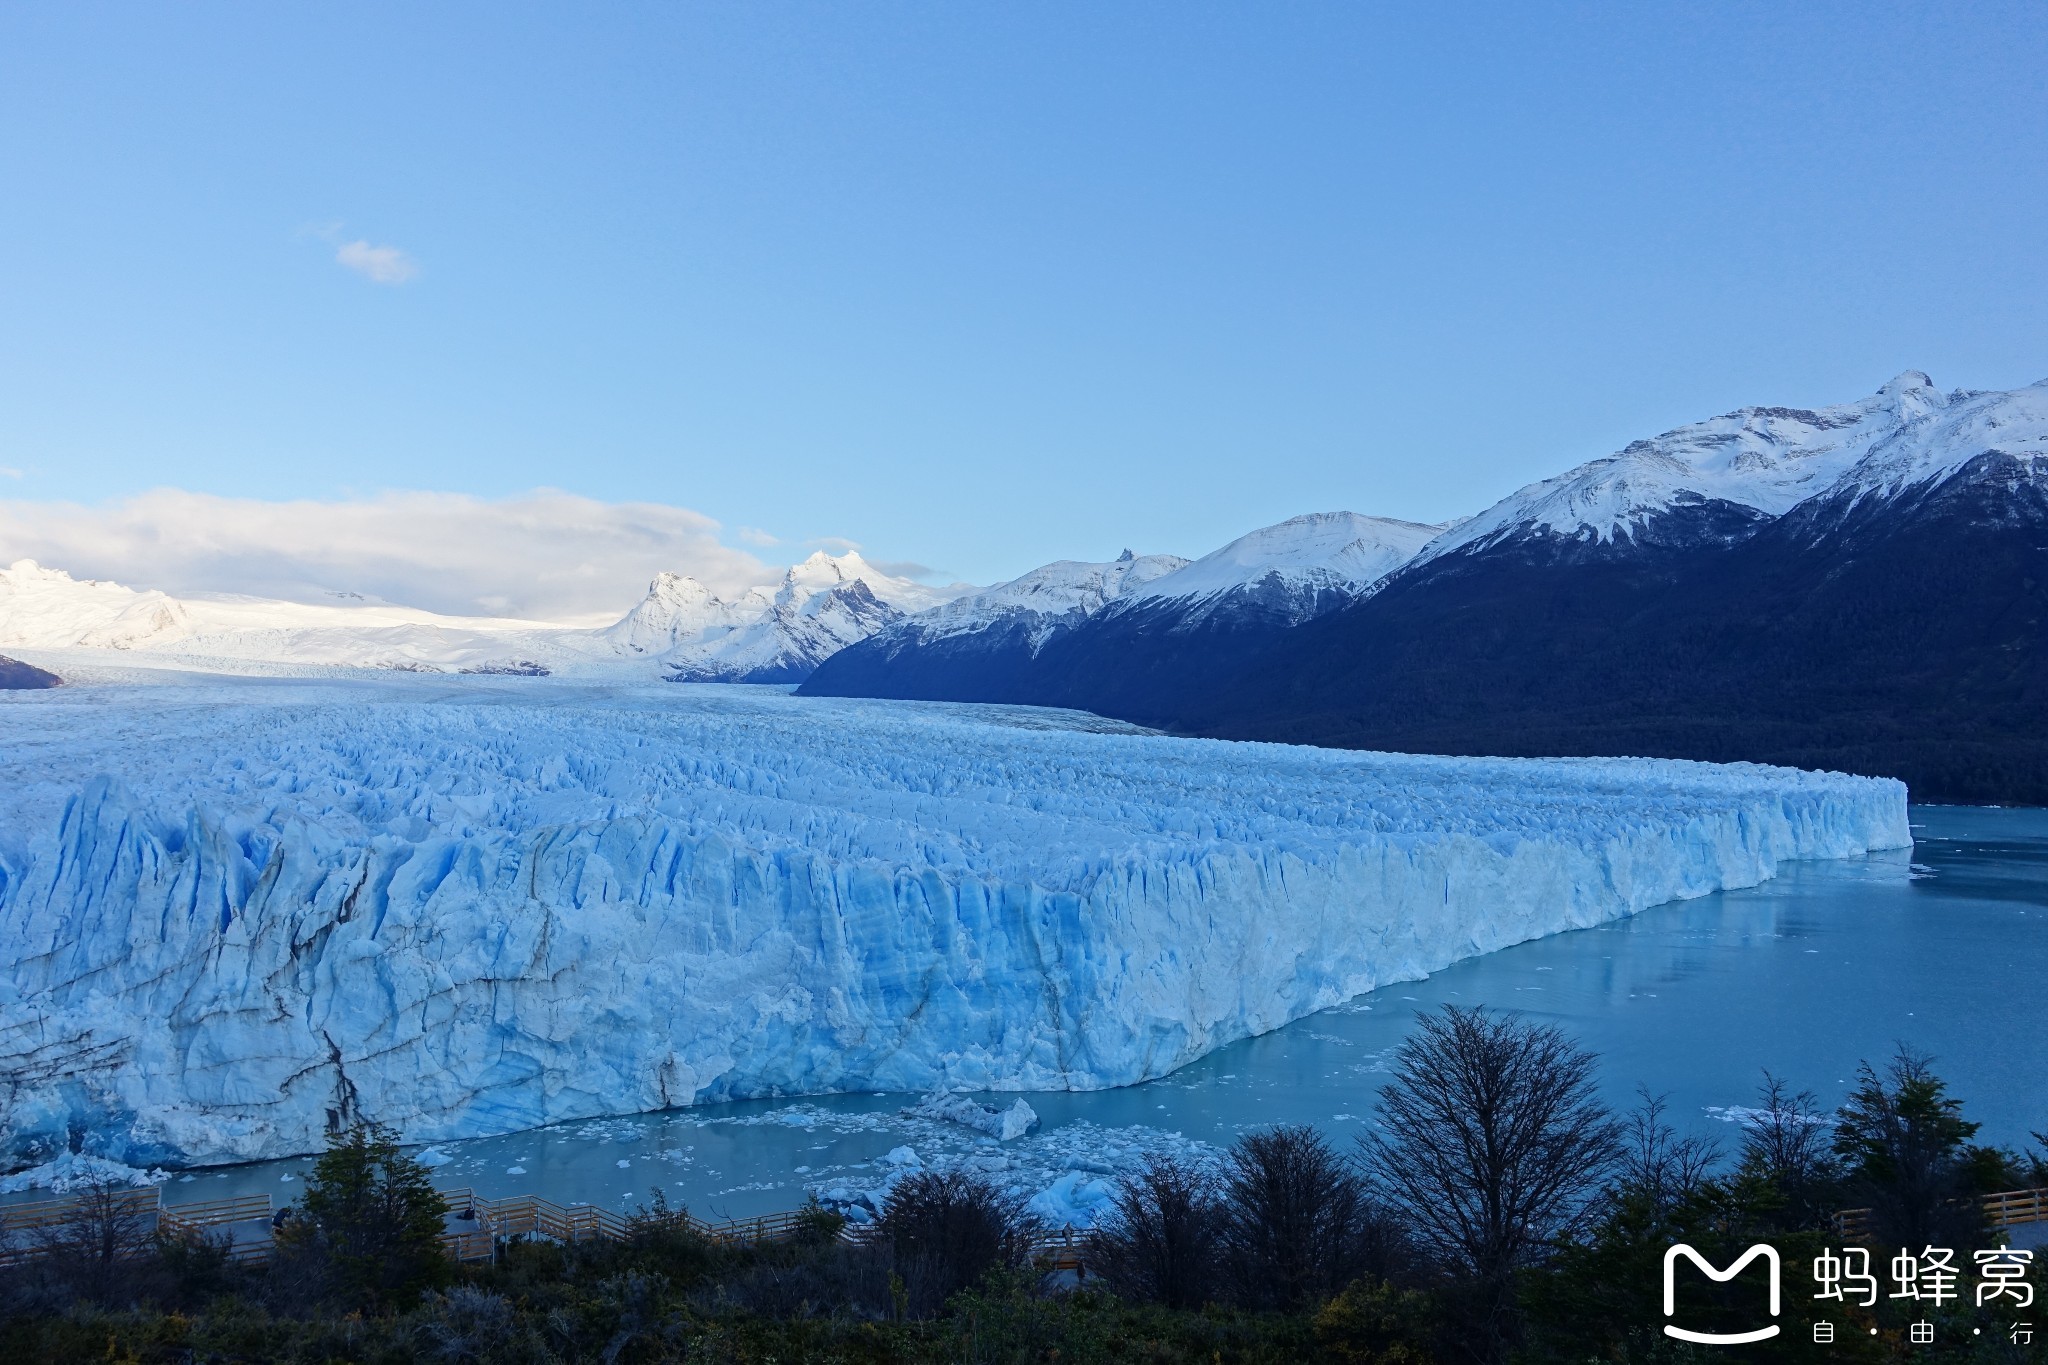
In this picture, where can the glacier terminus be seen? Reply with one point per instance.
(236, 912)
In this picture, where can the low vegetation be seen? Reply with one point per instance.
(1498, 1213)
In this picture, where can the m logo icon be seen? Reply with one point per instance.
(1769, 1255)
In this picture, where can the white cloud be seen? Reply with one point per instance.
(754, 535)
(379, 264)
(546, 555)
(833, 545)
(10, 472)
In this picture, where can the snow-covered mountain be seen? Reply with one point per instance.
(1860, 586)
(1040, 602)
(679, 609)
(821, 606)
(1304, 562)
(998, 644)
(680, 630)
(1726, 477)
(47, 609)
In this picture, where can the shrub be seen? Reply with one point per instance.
(666, 1240)
(944, 1230)
(470, 1326)
(1297, 1224)
(1161, 1239)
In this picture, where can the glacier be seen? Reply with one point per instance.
(237, 911)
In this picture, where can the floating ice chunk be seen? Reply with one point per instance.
(1002, 1124)
(1074, 1200)
(902, 1156)
(432, 1157)
(75, 1171)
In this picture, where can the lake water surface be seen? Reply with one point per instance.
(1944, 948)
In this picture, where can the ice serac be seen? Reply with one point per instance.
(464, 910)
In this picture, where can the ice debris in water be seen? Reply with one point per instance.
(468, 912)
(1001, 1124)
(1066, 1176)
(74, 1171)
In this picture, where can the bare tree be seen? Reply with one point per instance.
(1656, 1164)
(1159, 1241)
(1785, 1143)
(1492, 1141)
(1298, 1223)
(96, 1246)
(946, 1229)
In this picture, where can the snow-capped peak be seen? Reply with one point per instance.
(48, 608)
(707, 636)
(1064, 588)
(1942, 434)
(1319, 550)
(679, 608)
(822, 572)
(1763, 459)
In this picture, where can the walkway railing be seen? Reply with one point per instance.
(2007, 1208)
(476, 1226)
(27, 1229)
(242, 1225)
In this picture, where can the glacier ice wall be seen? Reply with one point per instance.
(234, 914)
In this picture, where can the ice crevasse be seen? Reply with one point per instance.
(233, 919)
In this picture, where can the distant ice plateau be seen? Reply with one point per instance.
(234, 912)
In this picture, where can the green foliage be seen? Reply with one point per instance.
(816, 1224)
(1377, 1324)
(371, 1220)
(664, 1241)
(1906, 1148)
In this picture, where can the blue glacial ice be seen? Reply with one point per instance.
(234, 913)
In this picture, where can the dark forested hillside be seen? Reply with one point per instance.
(1900, 637)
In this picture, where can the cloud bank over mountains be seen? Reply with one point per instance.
(545, 555)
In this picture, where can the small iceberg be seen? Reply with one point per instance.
(1001, 1124)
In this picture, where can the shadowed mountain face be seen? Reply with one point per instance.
(16, 676)
(1862, 588)
(1907, 641)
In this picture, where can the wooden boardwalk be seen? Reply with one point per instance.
(2006, 1209)
(475, 1227)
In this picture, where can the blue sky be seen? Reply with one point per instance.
(979, 286)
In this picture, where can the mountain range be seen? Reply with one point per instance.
(1860, 587)
(680, 630)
